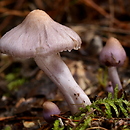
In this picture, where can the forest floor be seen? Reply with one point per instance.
(24, 87)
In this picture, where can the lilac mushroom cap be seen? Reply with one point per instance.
(41, 38)
(50, 109)
(113, 54)
(38, 34)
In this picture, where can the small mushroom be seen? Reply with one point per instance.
(113, 55)
(50, 109)
(41, 38)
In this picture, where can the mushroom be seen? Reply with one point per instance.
(50, 109)
(113, 55)
(41, 38)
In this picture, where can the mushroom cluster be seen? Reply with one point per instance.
(41, 38)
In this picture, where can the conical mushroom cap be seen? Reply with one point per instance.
(113, 54)
(38, 34)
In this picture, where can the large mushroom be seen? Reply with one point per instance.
(41, 38)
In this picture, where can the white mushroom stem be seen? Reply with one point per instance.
(59, 73)
(114, 77)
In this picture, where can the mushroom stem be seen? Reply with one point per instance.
(59, 73)
(114, 77)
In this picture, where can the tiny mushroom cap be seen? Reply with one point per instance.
(50, 109)
(38, 34)
(113, 54)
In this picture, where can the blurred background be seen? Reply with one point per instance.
(24, 87)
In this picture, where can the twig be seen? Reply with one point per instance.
(111, 8)
(7, 20)
(83, 118)
(102, 11)
(6, 2)
(13, 12)
(10, 118)
(6, 66)
(93, 128)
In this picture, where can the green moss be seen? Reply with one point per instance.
(102, 108)
(15, 83)
(14, 80)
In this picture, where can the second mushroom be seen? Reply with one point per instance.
(41, 38)
(113, 55)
